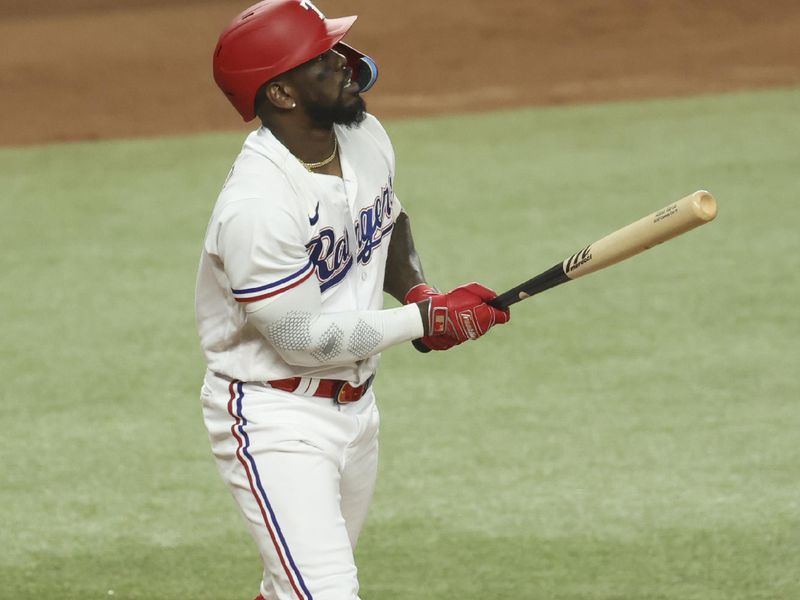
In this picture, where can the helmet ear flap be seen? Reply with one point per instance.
(365, 71)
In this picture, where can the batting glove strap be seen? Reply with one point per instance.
(420, 292)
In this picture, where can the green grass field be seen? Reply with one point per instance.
(632, 435)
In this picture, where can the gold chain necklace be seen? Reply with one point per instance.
(322, 163)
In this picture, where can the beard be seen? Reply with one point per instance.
(340, 112)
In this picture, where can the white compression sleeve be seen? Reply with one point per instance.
(304, 336)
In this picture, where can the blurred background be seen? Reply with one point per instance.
(78, 69)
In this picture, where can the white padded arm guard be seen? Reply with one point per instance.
(294, 325)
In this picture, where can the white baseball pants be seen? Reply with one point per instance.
(302, 471)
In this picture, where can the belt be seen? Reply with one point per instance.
(340, 391)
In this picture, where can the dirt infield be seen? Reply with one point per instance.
(77, 69)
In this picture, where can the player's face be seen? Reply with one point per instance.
(327, 93)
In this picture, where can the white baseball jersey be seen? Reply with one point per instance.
(274, 226)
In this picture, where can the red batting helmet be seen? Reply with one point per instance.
(273, 36)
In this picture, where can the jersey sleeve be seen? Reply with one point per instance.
(262, 247)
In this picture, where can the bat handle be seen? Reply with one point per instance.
(502, 302)
(543, 281)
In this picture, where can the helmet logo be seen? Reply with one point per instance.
(308, 5)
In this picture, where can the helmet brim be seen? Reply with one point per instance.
(336, 29)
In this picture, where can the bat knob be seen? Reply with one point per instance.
(420, 346)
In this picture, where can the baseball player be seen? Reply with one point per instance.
(305, 237)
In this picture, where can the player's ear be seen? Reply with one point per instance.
(280, 94)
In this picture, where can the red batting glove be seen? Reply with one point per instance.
(423, 292)
(462, 314)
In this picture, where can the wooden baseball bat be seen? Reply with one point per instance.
(687, 213)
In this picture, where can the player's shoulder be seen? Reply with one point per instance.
(256, 189)
(258, 171)
(249, 189)
(243, 212)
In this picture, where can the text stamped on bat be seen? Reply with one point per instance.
(665, 213)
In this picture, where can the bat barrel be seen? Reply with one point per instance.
(679, 217)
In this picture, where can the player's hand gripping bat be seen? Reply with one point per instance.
(671, 221)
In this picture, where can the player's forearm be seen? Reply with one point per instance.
(403, 264)
(305, 337)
